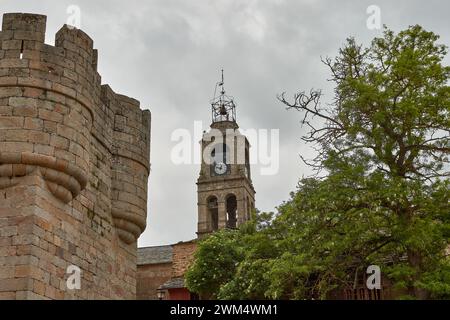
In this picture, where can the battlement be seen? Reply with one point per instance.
(76, 150)
(25, 25)
(68, 68)
(32, 27)
(77, 41)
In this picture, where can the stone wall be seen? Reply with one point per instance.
(150, 277)
(74, 164)
(183, 255)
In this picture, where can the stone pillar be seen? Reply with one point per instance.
(222, 214)
(241, 210)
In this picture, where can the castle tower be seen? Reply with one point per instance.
(74, 164)
(226, 196)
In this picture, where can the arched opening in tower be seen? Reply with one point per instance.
(231, 205)
(213, 209)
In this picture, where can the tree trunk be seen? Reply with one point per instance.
(415, 261)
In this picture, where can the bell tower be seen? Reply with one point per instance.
(226, 196)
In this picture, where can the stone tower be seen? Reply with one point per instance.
(225, 191)
(74, 164)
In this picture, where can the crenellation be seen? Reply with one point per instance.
(79, 41)
(24, 22)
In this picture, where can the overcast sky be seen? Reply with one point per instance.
(168, 55)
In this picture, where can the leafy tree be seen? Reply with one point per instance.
(215, 263)
(381, 190)
(228, 264)
(385, 144)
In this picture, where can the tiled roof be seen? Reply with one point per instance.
(174, 283)
(154, 255)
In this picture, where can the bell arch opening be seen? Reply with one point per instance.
(231, 207)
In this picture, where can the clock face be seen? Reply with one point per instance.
(220, 168)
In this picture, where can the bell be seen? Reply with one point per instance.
(223, 111)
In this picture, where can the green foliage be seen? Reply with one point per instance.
(383, 194)
(215, 263)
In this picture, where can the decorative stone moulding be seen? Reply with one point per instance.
(129, 197)
(129, 200)
(129, 225)
(63, 179)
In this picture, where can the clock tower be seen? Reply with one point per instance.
(226, 196)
